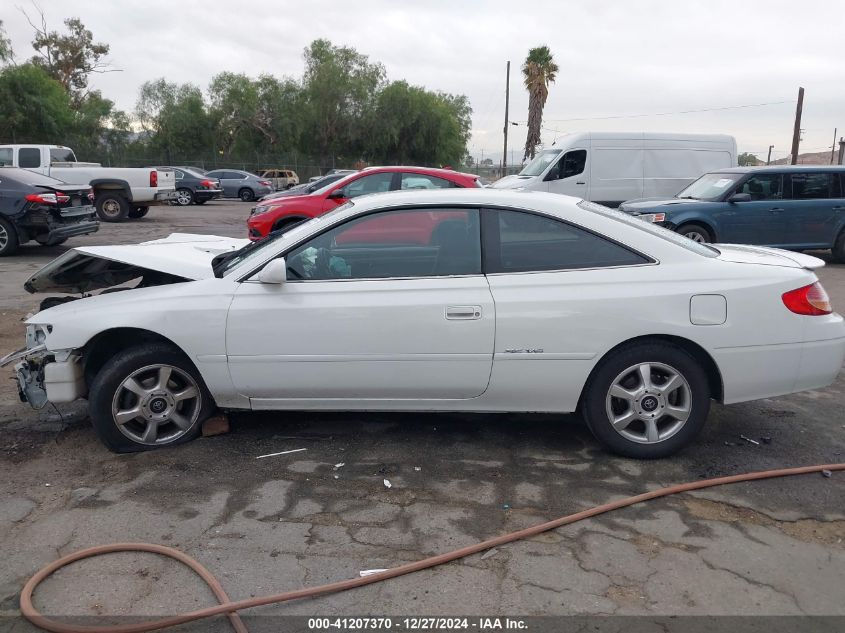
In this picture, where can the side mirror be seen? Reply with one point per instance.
(275, 272)
(740, 197)
(337, 194)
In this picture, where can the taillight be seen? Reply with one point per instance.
(47, 198)
(811, 300)
(208, 184)
(266, 183)
(154, 178)
(91, 196)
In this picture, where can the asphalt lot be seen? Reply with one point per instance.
(771, 547)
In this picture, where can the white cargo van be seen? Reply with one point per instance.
(610, 168)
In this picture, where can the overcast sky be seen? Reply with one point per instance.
(635, 57)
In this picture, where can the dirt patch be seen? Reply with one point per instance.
(828, 533)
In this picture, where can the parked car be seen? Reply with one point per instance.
(241, 184)
(36, 207)
(608, 167)
(194, 187)
(458, 299)
(119, 192)
(282, 214)
(281, 178)
(797, 207)
(307, 188)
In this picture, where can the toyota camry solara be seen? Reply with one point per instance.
(451, 300)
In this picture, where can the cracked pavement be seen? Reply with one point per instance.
(772, 547)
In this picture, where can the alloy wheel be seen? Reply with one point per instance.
(4, 238)
(157, 404)
(696, 236)
(183, 197)
(649, 402)
(111, 208)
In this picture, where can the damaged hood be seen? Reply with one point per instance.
(183, 256)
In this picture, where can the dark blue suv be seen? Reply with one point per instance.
(794, 207)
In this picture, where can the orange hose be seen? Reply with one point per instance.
(231, 608)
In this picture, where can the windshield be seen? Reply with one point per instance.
(540, 162)
(226, 262)
(710, 186)
(648, 227)
(325, 180)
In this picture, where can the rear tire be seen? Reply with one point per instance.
(112, 206)
(838, 250)
(138, 212)
(159, 383)
(646, 418)
(696, 233)
(246, 194)
(184, 197)
(9, 239)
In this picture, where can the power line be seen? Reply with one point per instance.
(637, 116)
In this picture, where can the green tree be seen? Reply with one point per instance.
(34, 108)
(175, 119)
(5, 45)
(69, 58)
(340, 86)
(746, 159)
(538, 71)
(411, 125)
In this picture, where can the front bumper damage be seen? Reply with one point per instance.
(47, 376)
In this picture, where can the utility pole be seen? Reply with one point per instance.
(796, 133)
(841, 150)
(833, 145)
(507, 103)
(769, 157)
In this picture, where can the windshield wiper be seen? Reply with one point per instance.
(218, 264)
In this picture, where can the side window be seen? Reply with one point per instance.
(179, 175)
(29, 157)
(6, 157)
(424, 181)
(570, 164)
(529, 242)
(815, 186)
(390, 244)
(374, 183)
(763, 187)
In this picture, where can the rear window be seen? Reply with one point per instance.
(62, 155)
(648, 227)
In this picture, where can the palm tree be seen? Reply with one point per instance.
(538, 70)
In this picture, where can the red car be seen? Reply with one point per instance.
(283, 213)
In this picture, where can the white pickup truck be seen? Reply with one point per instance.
(119, 192)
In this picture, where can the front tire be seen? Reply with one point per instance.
(247, 195)
(696, 233)
(647, 400)
(148, 397)
(138, 212)
(112, 206)
(8, 238)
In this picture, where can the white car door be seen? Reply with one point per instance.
(387, 306)
(569, 175)
(563, 295)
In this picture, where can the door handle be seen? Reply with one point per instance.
(580, 182)
(466, 313)
(776, 210)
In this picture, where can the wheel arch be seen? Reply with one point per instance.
(288, 219)
(104, 345)
(701, 355)
(697, 220)
(109, 184)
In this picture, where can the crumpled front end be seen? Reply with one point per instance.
(44, 375)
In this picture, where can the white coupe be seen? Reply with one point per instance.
(451, 300)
